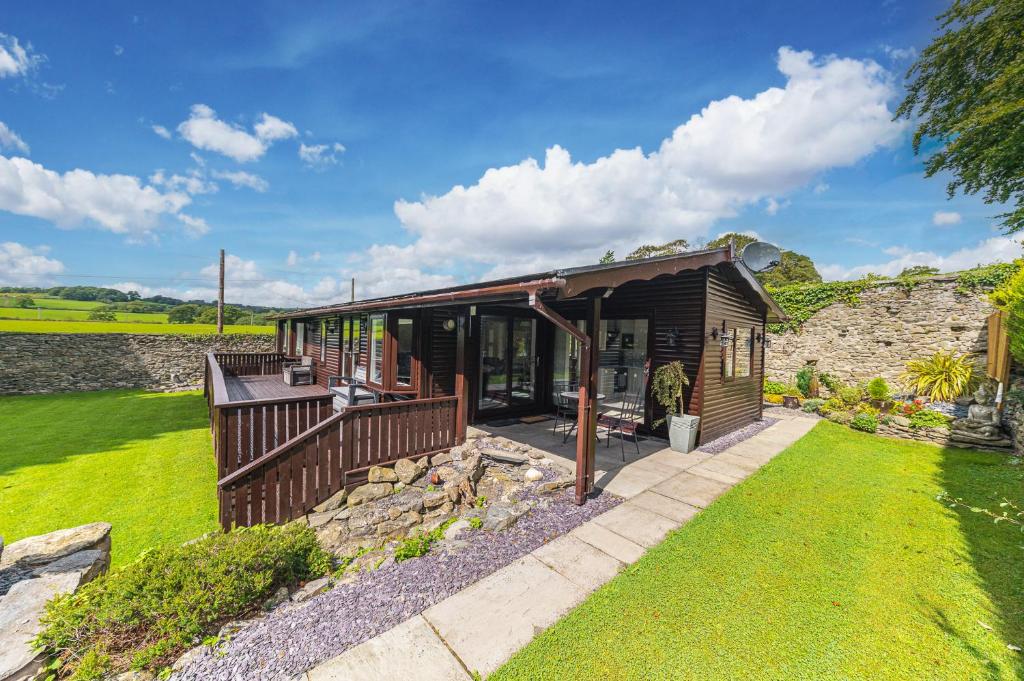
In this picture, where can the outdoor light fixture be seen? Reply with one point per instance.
(673, 337)
(714, 333)
(448, 324)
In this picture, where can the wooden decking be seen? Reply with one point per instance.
(245, 388)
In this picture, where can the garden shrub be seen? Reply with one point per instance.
(773, 399)
(866, 408)
(943, 377)
(1010, 297)
(878, 389)
(812, 405)
(831, 382)
(147, 613)
(865, 422)
(929, 418)
(419, 544)
(840, 417)
(774, 388)
(851, 396)
(803, 380)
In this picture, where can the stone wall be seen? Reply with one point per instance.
(48, 363)
(890, 326)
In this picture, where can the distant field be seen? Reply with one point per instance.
(7, 300)
(78, 315)
(30, 326)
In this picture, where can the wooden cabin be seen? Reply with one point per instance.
(498, 350)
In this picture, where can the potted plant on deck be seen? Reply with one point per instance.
(668, 384)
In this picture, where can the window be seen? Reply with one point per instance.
(300, 337)
(323, 340)
(377, 348)
(738, 355)
(403, 353)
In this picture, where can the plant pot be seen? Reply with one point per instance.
(790, 402)
(682, 432)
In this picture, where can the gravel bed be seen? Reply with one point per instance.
(293, 639)
(957, 411)
(719, 445)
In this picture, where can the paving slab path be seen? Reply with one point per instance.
(478, 629)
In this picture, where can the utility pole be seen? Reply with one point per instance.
(220, 296)
(353, 289)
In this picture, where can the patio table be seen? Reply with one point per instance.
(574, 396)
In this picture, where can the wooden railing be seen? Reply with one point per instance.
(251, 363)
(289, 480)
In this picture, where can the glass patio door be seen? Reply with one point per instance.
(508, 362)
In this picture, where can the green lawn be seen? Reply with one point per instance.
(33, 326)
(49, 314)
(141, 461)
(834, 561)
(7, 300)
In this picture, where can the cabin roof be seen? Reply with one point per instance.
(567, 283)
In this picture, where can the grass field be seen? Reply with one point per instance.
(79, 315)
(141, 461)
(7, 300)
(834, 561)
(31, 326)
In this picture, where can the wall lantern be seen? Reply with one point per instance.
(448, 324)
(673, 337)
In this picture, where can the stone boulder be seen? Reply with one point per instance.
(369, 492)
(408, 471)
(335, 502)
(46, 548)
(381, 474)
(441, 459)
(504, 456)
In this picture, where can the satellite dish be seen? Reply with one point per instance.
(761, 256)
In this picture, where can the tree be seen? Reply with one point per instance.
(101, 315)
(967, 94)
(133, 295)
(608, 257)
(651, 251)
(919, 271)
(182, 314)
(793, 268)
(24, 302)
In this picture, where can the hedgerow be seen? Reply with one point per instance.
(147, 613)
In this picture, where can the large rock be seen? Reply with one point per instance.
(434, 499)
(504, 456)
(335, 502)
(20, 610)
(381, 474)
(46, 548)
(369, 492)
(503, 517)
(88, 565)
(408, 470)
(441, 459)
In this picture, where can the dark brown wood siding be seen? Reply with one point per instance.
(441, 354)
(729, 404)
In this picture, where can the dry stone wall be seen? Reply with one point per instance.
(48, 363)
(890, 326)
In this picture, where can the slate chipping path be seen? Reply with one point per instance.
(296, 638)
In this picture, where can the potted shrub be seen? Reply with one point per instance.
(667, 387)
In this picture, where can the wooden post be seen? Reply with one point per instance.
(462, 406)
(586, 427)
(220, 295)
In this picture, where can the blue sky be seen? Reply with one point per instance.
(391, 141)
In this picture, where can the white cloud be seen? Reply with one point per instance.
(320, 155)
(17, 59)
(994, 249)
(899, 53)
(830, 112)
(118, 50)
(117, 203)
(944, 218)
(162, 131)
(10, 140)
(193, 183)
(773, 206)
(26, 266)
(240, 178)
(204, 130)
(821, 188)
(292, 260)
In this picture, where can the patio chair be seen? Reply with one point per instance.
(350, 391)
(303, 373)
(626, 422)
(565, 409)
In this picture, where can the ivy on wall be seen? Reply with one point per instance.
(803, 301)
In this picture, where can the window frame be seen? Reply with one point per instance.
(391, 351)
(730, 351)
(371, 350)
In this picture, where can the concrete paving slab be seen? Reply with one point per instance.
(758, 453)
(662, 505)
(484, 624)
(628, 482)
(409, 651)
(712, 474)
(613, 544)
(692, 489)
(678, 460)
(738, 461)
(581, 563)
(636, 524)
(722, 466)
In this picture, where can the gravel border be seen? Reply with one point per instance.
(719, 445)
(293, 639)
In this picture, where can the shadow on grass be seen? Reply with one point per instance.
(38, 430)
(983, 479)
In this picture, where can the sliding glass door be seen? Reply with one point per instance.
(508, 362)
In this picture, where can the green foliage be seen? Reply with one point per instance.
(929, 418)
(150, 611)
(964, 94)
(99, 315)
(812, 405)
(850, 396)
(878, 389)
(943, 377)
(476, 522)
(1010, 297)
(793, 268)
(829, 381)
(607, 258)
(418, 545)
(24, 302)
(865, 422)
(987, 278)
(772, 398)
(803, 380)
(481, 501)
(918, 271)
(802, 301)
(653, 251)
(867, 408)
(774, 388)
(183, 314)
(667, 387)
